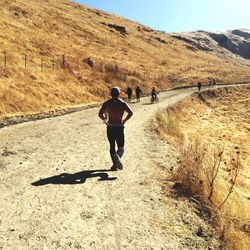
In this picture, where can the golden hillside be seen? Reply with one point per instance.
(100, 50)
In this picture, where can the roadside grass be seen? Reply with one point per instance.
(166, 126)
(208, 173)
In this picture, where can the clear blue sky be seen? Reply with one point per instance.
(180, 15)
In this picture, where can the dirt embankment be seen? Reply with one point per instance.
(211, 132)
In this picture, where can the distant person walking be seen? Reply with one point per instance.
(111, 113)
(138, 94)
(214, 82)
(209, 81)
(199, 87)
(129, 93)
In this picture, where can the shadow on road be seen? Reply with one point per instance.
(77, 178)
(201, 97)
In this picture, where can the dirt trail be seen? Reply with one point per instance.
(77, 204)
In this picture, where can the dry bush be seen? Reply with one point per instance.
(112, 68)
(190, 173)
(135, 74)
(111, 77)
(199, 172)
(111, 72)
(199, 175)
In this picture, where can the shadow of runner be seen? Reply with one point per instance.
(77, 178)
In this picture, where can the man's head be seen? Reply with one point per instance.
(115, 92)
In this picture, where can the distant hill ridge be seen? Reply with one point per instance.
(235, 41)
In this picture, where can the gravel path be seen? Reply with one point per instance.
(57, 192)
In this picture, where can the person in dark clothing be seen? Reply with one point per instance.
(213, 81)
(209, 81)
(199, 86)
(111, 113)
(138, 93)
(129, 93)
(153, 95)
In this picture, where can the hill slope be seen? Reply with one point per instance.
(227, 45)
(56, 53)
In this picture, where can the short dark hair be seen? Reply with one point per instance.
(115, 92)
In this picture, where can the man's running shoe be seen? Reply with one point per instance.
(113, 168)
(118, 162)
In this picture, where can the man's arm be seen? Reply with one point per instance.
(129, 111)
(102, 112)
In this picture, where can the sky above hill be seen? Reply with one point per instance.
(180, 15)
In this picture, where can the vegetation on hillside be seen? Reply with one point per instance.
(57, 53)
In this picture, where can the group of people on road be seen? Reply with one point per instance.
(138, 93)
(211, 82)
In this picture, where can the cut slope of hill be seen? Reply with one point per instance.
(56, 53)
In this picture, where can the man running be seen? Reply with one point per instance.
(115, 108)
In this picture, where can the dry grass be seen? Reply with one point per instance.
(166, 126)
(191, 174)
(44, 31)
(211, 169)
(200, 175)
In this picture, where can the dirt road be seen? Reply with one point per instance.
(57, 192)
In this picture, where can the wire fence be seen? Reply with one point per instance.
(74, 64)
(78, 63)
(26, 61)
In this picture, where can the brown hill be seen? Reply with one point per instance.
(56, 53)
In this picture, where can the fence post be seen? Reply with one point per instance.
(63, 61)
(78, 64)
(53, 62)
(5, 58)
(42, 66)
(25, 61)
